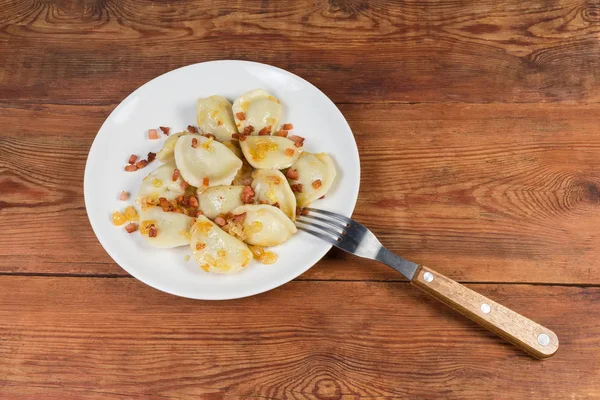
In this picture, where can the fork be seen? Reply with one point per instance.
(354, 238)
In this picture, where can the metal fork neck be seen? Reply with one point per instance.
(405, 267)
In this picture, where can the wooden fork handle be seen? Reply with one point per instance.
(530, 336)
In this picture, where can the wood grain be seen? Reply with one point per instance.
(95, 52)
(483, 193)
(117, 338)
(477, 125)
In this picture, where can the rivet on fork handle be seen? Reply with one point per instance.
(524, 333)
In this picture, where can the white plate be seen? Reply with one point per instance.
(170, 100)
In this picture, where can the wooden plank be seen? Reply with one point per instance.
(452, 51)
(117, 338)
(485, 193)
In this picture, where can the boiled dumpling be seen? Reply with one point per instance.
(270, 152)
(244, 175)
(272, 187)
(214, 116)
(258, 109)
(164, 229)
(217, 251)
(205, 162)
(235, 148)
(166, 153)
(220, 200)
(311, 177)
(160, 183)
(265, 225)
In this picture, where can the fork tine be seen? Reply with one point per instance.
(328, 221)
(321, 236)
(339, 217)
(329, 229)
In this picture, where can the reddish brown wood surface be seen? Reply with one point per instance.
(72, 51)
(117, 338)
(485, 193)
(477, 126)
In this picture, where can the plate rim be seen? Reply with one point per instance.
(275, 284)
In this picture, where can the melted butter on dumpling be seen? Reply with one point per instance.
(209, 160)
(172, 229)
(166, 153)
(214, 116)
(257, 108)
(270, 152)
(220, 200)
(160, 183)
(265, 225)
(316, 173)
(271, 186)
(217, 251)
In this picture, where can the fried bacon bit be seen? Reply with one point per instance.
(131, 227)
(205, 181)
(289, 152)
(235, 136)
(297, 188)
(132, 159)
(198, 213)
(292, 173)
(301, 211)
(322, 197)
(282, 133)
(265, 131)
(194, 142)
(200, 246)
(124, 196)
(179, 199)
(242, 138)
(151, 157)
(220, 221)
(241, 116)
(192, 129)
(316, 184)
(131, 168)
(248, 130)
(247, 195)
(184, 185)
(209, 135)
(287, 127)
(263, 202)
(164, 204)
(276, 205)
(165, 130)
(176, 174)
(152, 231)
(238, 219)
(193, 201)
(186, 201)
(298, 140)
(152, 134)
(141, 164)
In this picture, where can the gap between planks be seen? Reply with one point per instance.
(116, 276)
(13, 103)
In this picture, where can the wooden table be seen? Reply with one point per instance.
(478, 125)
